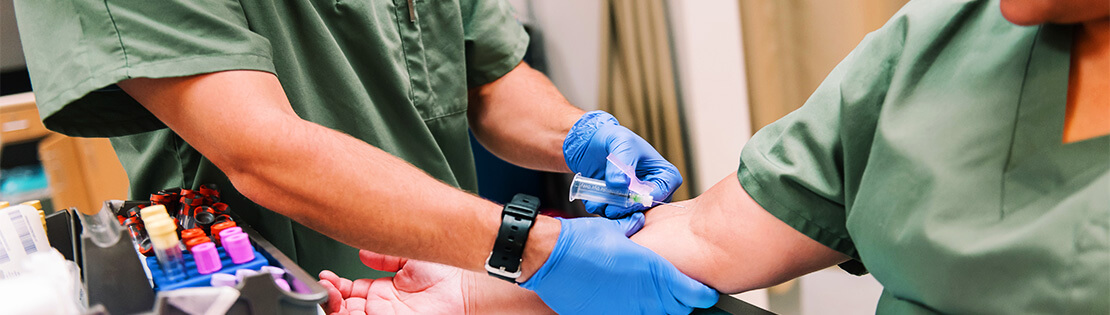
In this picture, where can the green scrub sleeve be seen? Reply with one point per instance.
(494, 41)
(76, 51)
(806, 167)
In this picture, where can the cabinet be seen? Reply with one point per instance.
(82, 172)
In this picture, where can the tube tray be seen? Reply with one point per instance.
(194, 278)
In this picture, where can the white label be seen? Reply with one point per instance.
(21, 234)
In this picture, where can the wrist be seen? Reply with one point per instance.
(541, 241)
(488, 295)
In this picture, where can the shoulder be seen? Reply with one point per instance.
(929, 25)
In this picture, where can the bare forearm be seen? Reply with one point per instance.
(721, 238)
(522, 118)
(491, 296)
(367, 198)
(327, 180)
(724, 239)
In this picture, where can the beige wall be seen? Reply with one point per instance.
(791, 45)
(11, 52)
(571, 34)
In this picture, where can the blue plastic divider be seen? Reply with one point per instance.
(194, 278)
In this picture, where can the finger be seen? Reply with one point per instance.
(344, 287)
(687, 292)
(361, 287)
(594, 207)
(356, 306)
(380, 261)
(336, 282)
(631, 224)
(666, 180)
(614, 177)
(335, 299)
(614, 212)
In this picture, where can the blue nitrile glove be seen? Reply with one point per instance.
(596, 269)
(596, 135)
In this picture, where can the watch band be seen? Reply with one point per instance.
(516, 220)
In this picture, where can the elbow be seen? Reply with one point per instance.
(248, 167)
(245, 175)
(255, 181)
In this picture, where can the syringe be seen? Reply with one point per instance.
(585, 188)
(638, 192)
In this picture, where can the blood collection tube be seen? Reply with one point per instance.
(238, 247)
(163, 237)
(207, 258)
(220, 227)
(191, 233)
(192, 242)
(204, 216)
(138, 232)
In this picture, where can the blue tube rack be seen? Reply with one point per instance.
(194, 278)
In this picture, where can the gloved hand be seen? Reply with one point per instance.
(596, 135)
(596, 269)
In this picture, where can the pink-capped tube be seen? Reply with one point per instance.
(238, 246)
(230, 231)
(207, 258)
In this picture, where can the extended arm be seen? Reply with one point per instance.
(243, 123)
(722, 238)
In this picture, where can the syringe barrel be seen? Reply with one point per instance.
(586, 188)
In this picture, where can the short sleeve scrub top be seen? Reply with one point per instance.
(391, 75)
(933, 155)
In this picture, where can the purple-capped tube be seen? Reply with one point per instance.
(207, 258)
(230, 231)
(223, 280)
(281, 283)
(238, 246)
(243, 274)
(277, 272)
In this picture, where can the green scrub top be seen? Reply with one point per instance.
(933, 154)
(363, 67)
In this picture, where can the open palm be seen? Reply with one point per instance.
(418, 288)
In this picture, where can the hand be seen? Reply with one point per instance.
(596, 135)
(596, 269)
(418, 288)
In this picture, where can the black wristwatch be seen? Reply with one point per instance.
(516, 220)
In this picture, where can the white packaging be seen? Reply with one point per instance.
(21, 234)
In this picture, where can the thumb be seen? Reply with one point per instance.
(687, 292)
(334, 304)
(631, 224)
(380, 261)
